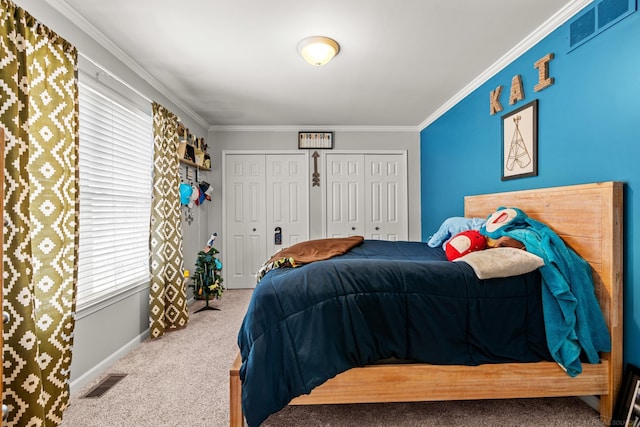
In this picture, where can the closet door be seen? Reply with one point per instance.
(262, 192)
(245, 210)
(366, 194)
(386, 197)
(345, 195)
(287, 200)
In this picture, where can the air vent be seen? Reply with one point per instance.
(611, 11)
(104, 386)
(595, 19)
(582, 27)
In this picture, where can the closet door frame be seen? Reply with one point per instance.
(224, 154)
(405, 179)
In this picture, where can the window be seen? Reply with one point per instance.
(116, 166)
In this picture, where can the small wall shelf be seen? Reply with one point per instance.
(192, 151)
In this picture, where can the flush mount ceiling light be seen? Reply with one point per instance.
(318, 50)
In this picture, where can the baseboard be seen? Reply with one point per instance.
(76, 385)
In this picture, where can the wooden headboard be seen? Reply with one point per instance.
(588, 218)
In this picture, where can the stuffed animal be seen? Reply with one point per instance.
(465, 242)
(505, 242)
(452, 226)
(501, 220)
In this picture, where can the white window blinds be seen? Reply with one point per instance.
(116, 166)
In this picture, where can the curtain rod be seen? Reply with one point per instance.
(115, 77)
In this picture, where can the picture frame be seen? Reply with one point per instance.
(627, 410)
(520, 142)
(318, 140)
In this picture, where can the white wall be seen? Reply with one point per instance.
(266, 139)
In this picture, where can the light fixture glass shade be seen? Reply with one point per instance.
(318, 50)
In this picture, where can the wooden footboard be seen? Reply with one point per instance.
(589, 218)
(423, 382)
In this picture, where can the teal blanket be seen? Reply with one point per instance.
(573, 320)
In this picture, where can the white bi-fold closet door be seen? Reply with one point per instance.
(262, 193)
(366, 194)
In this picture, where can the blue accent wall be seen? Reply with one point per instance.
(588, 131)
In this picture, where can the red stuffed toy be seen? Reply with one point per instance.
(465, 242)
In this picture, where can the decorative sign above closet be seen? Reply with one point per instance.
(322, 140)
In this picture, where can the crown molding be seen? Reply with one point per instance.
(70, 13)
(301, 128)
(541, 32)
(562, 16)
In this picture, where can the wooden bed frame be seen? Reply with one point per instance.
(588, 217)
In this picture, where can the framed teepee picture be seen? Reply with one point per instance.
(520, 142)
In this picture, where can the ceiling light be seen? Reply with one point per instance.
(318, 50)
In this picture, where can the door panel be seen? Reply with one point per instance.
(386, 218)
(246, 224)
(345, 198)
(287, 200)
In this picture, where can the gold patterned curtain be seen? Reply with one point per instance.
(39, 99)
(167, 296)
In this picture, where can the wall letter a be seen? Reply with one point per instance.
(517, 93)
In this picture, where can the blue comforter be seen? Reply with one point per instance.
(381, 300)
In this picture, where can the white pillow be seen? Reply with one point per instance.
(501, 262)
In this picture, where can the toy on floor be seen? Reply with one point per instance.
(207, 279)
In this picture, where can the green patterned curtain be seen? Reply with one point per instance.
(39, 99)
(167, 296)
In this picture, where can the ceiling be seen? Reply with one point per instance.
(235, 63)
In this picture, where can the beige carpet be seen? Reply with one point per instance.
(181, 380)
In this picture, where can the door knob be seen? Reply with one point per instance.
(254, 229)
(377, 228)
(353, 228)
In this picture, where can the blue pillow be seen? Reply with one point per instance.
(452, 226)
